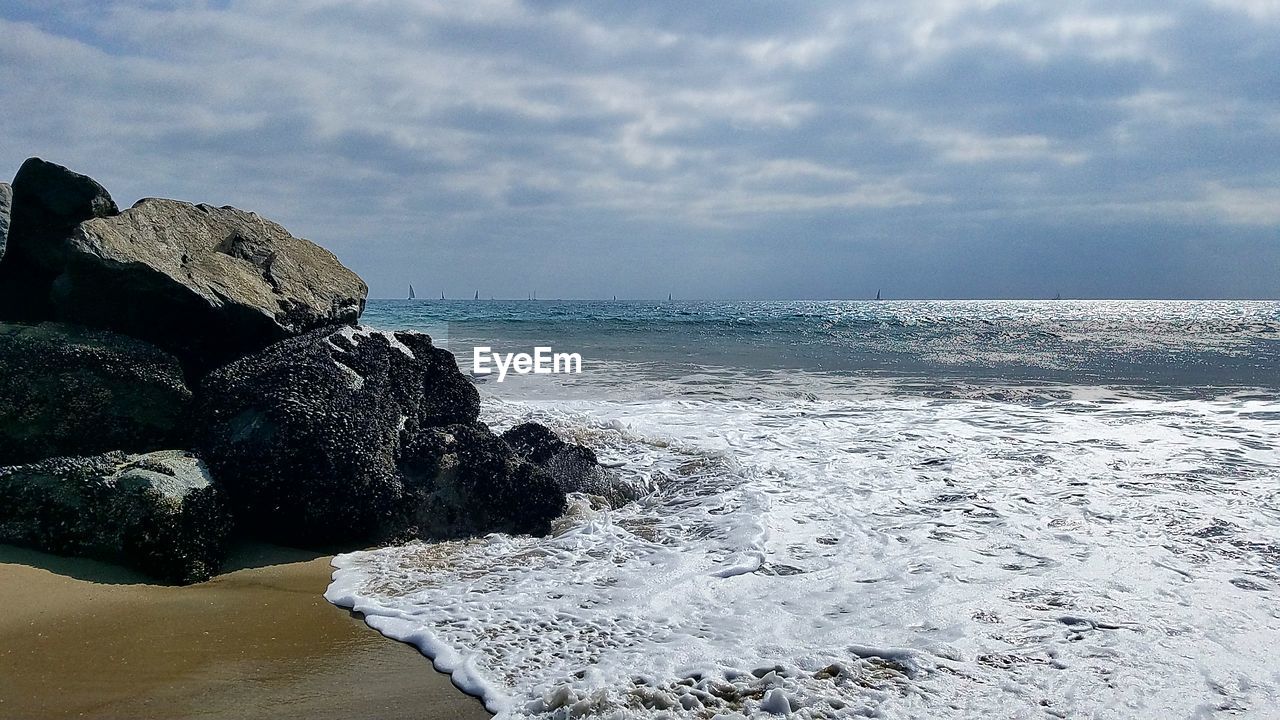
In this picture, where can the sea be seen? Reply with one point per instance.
(959, 509)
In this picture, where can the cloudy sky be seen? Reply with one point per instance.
(932, 148)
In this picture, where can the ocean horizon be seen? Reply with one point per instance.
(565, 360)
(932, 509)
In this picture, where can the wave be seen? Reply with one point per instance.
(900, 555)
(1173, 344)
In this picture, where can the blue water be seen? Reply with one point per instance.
(1165, 344)
(1022, 510)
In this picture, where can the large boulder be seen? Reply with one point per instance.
(574, 467)
(159, 513)
(206, 283)
(463, 480)
(306, 435)
(6, 205)
(68, 390)
(49, 201)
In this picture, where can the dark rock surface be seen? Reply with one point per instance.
(159, 513)
(208, 284)
(536, 442)
(6, 205)
(306, 435)
(574, 467)
(49, 201)
(68, 390)
(463, 480)
(316, 432)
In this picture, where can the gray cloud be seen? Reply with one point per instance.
(930, 147)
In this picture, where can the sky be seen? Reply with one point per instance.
(744, 150)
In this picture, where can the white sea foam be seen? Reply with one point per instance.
(826, 554)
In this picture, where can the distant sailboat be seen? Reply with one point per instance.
(668, 297)
(615, 298)
(441, 294)
(1058, 296)
(877, 294)
(411, 295)
(477, 295)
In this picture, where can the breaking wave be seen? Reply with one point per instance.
(830, 547)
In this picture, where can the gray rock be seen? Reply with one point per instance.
(159, 513)
(462, 480)
(49, 201)
(305, 436)
(208, 284)
(6, 204)
(68, 390)
(574, 467)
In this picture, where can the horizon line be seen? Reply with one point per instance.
(844, 299)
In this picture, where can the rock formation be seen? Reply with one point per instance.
(574, 467)
(159, 513)
(463, 480)
(208, 284)
(306, 434)
(6, 204)
(68, 390)
(49, 201)
(316, 432)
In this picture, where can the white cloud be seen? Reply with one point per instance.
(1245, 206)
(363, 121)
(1257, 9)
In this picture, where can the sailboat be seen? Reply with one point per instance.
(668, 297)
(877, 294)
(477, 295)
(411, 295)
(1058, 296)
(441, 294)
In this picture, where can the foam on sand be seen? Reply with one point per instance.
(897, 556)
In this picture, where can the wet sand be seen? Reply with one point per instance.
(86, 639)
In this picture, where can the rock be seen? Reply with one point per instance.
(208, 284)
(463, 480)
(49, 201)
(159, 513)
(574, 467)
(535, 442)
(305, 435)
(68, 390)
(6, 204)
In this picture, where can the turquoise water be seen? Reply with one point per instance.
(1027, 510)
(1169, 344)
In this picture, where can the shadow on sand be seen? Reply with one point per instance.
(243, 555)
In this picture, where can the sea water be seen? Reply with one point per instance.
(861, 509)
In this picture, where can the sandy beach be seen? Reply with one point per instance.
(84, 639)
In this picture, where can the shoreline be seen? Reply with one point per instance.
(87, 639)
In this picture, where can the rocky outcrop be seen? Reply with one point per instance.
(537, 443)
(6, 205)
(463, 480)
(306, 435)
(317, 432)
(67, 390)
(158, 513)
(575, 468)
(208, 284)
(49, 201)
